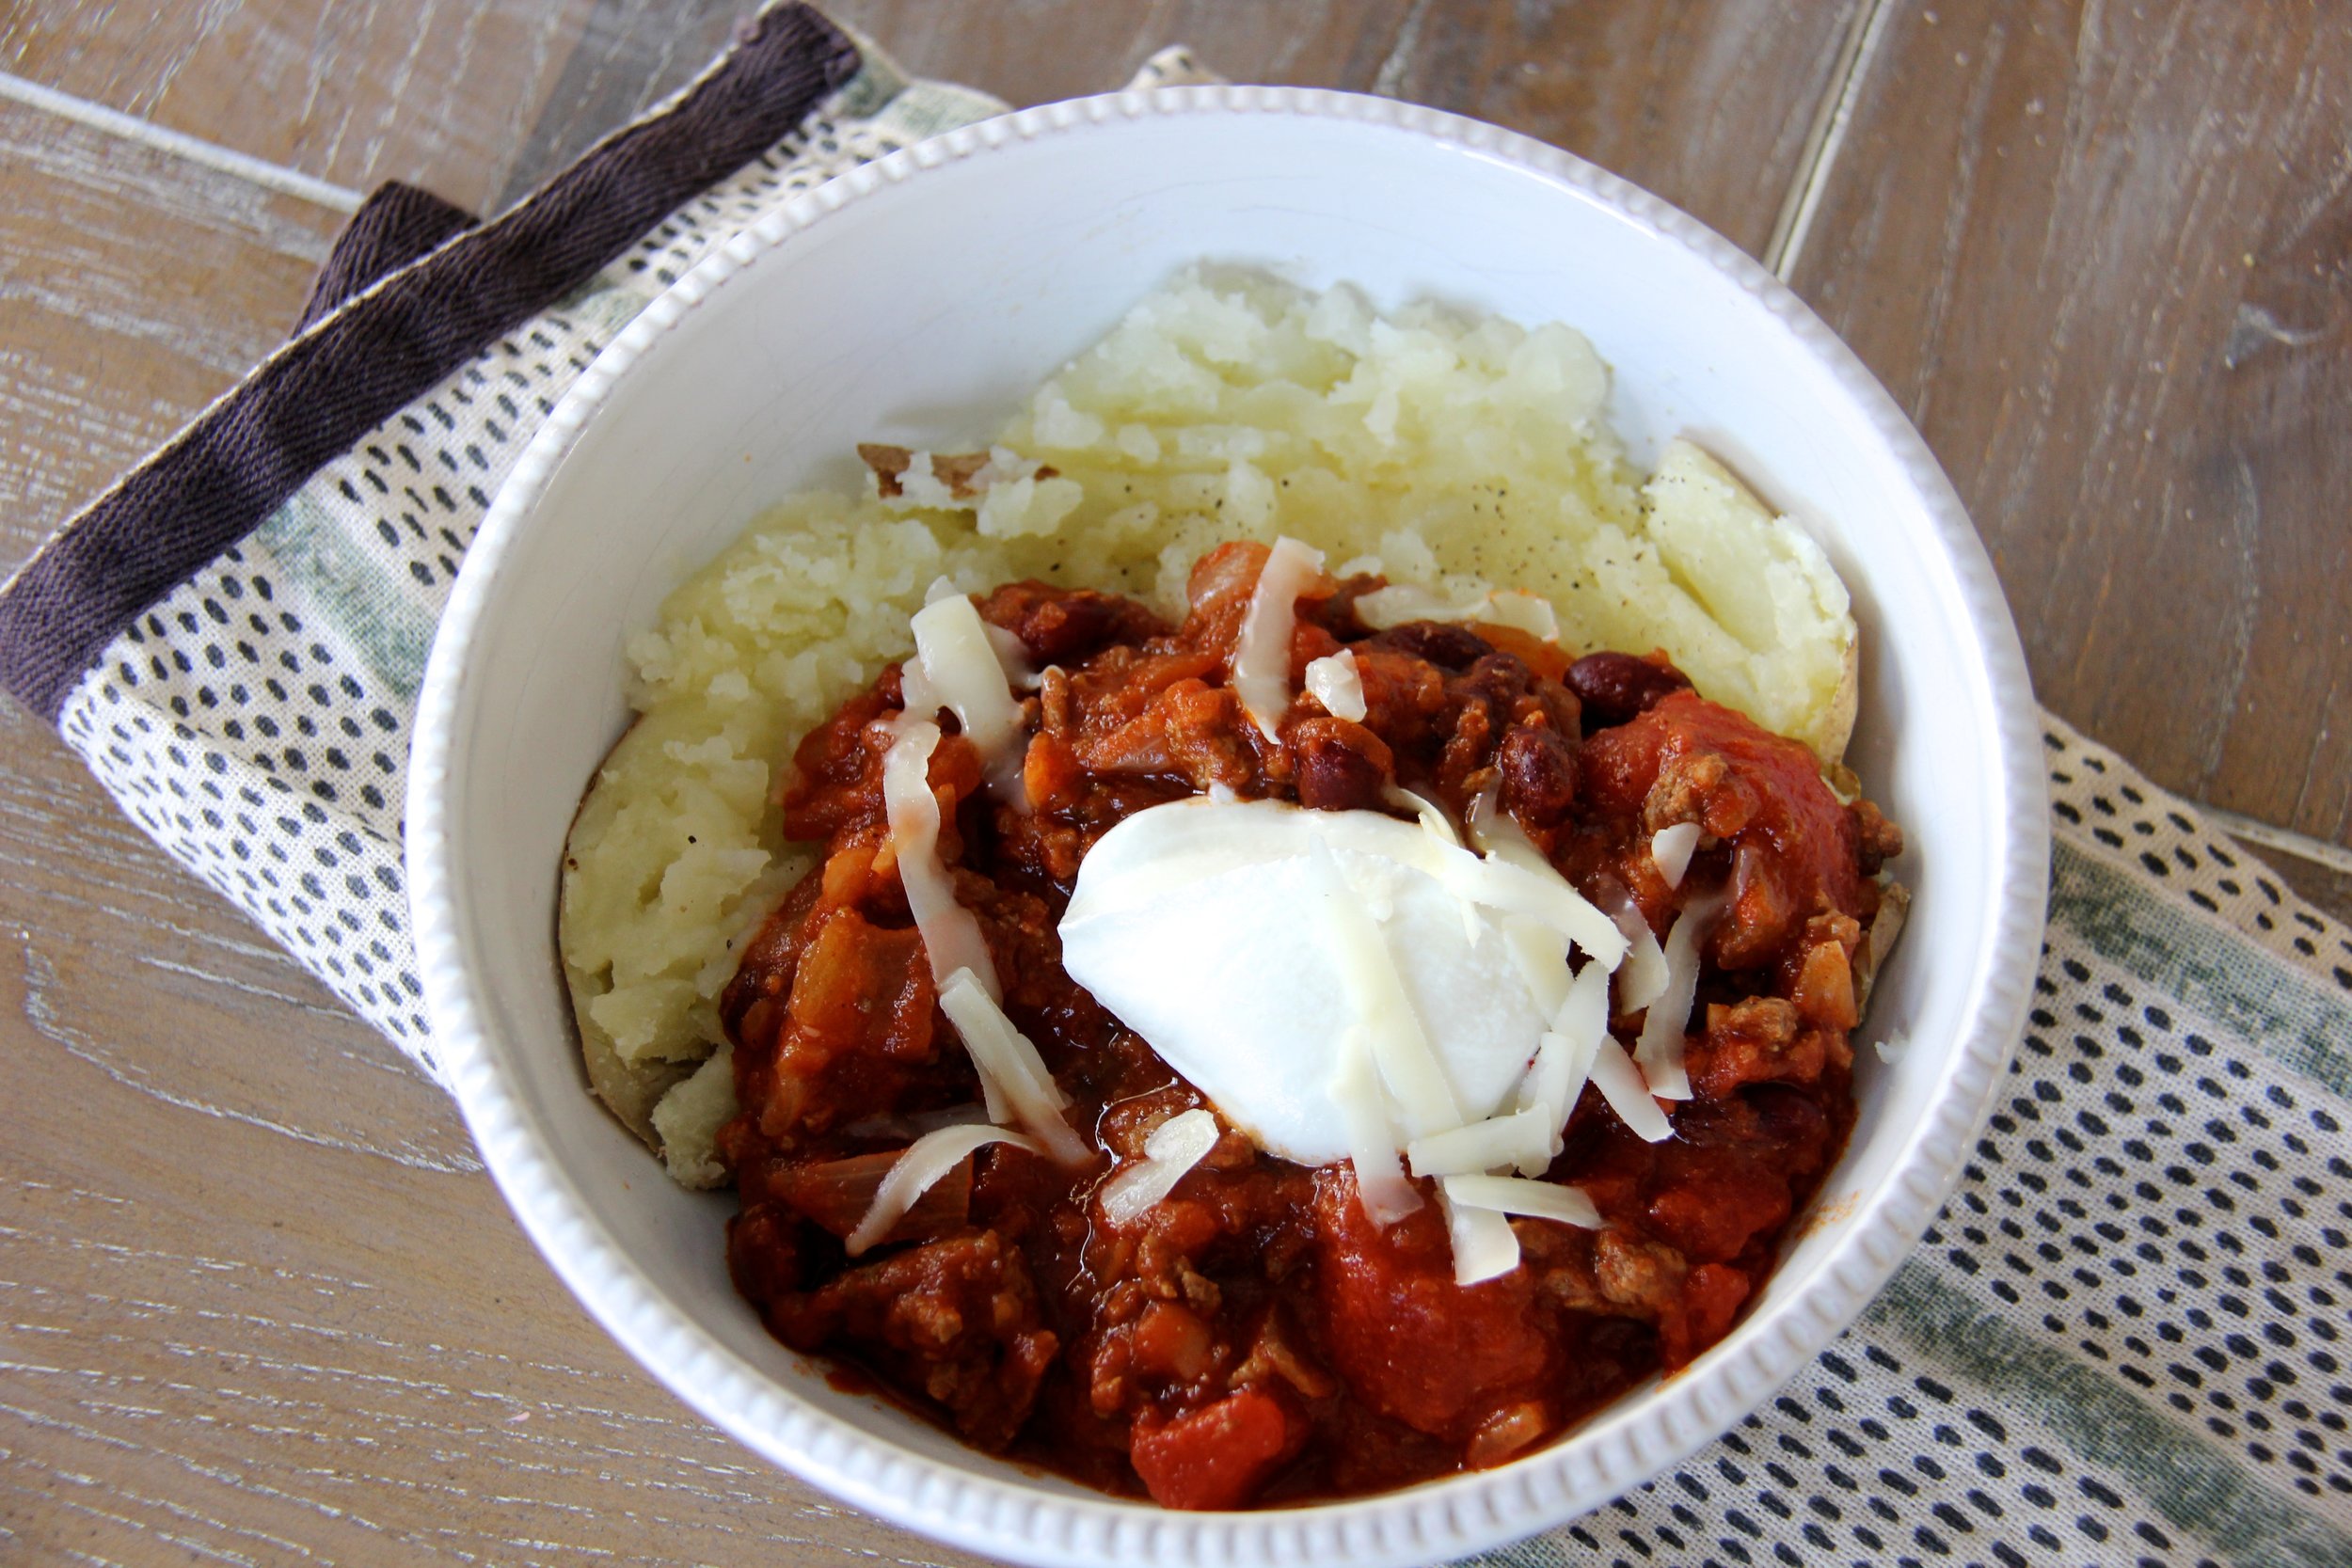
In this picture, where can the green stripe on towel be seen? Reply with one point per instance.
(2181, 1476)
(2203, 965)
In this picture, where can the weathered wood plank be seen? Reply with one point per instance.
(2099, 252)
(134, 289)
(1709, 102)
(263, 1305)
(439, 95)
(225, 1339)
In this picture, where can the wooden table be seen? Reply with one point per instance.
(263, 1305)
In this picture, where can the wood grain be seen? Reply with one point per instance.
(1709, 102)
(261, 1303)
(134, 289)
(436, 94)
(2099, 253)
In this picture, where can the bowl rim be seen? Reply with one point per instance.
(1619, 1449)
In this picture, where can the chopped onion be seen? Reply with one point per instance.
(1012, 1074)
(1484, 1246)
(1620, 1084)
(963, 671)
(1262, 654)
(1332, 681)
(1380, 1184)
(1512, 1195)
(1658, 1052)
(1173, 1148)
(1891, 1049)
(1483, 1146)
(951, 937)
(1670, 850)
(926, 1160)
(837, 1193)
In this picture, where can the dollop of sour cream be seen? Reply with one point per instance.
(1256, 944)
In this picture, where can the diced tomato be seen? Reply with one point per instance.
(1219, 1455)
(1802, 852)
(1712, 1297)
(1416, 1346)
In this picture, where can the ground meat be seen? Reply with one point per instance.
(956, 1318)
(1254, 1338)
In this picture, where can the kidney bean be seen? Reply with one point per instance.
(1063, 625)
(1615, 687)
(1538, 775)
(1443, 644)
(1340, 765)
(1499, 680)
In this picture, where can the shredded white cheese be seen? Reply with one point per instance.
(919, 1169)
(1495, 833)
(1511, 1195)
(1620, 1082)
(1332, 681)
(1505, 607)
(1659, 1052)
(951, 937)
(1380, 1184)
(1564, 1060)
(1641, 977)
(1483, 1248)
(1495, 1144)
(1670, 850)
(1432, 816)
(1173, 1148)
(1012, 1074)
(1012, 657)
(962, 671)
(1399, 1047)
(1540, 952)
(1261, 655)
(1535, 896)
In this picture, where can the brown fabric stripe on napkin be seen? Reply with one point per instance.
(395, 226)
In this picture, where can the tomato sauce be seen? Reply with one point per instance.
(1254, 1339)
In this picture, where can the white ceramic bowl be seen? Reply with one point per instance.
(920, 299)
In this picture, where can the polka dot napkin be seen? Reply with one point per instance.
(2127, 1339)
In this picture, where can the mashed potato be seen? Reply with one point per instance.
(1455, 455)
